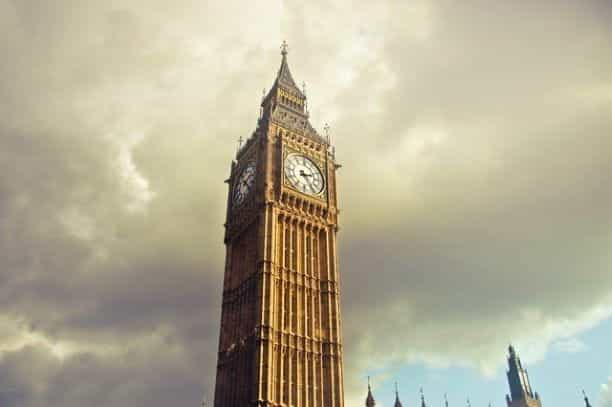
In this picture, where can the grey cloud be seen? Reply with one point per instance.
(32, 377)
(497, 168)
(475, 149)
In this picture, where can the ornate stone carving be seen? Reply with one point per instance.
(280, 342)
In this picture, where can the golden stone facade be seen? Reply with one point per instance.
(280, 341)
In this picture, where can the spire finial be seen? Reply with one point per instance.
(397, 403)
(422, 398)
(305, 98)
(445, 400)
(326, 129)
(586, 399)
(240, 141)
(284, 48)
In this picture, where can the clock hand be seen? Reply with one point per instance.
(309, 182)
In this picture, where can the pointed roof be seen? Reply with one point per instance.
(284, 74)
(398, 403)
(284, 77)
(423, 399)
(370, 402)
(288, 108)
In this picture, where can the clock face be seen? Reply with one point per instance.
(304, 175)
(244, 184)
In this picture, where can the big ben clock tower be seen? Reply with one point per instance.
(280, 342)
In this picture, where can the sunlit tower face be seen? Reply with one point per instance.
(304, 175)
(281, 342)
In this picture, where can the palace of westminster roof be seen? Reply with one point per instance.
(521, 392)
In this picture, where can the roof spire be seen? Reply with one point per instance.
(370, 402)
(305, 98)
(422, 398)
(445, 400)
(586, 399)
(284, 75)
(397, 403)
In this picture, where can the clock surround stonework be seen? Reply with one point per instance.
(280, 340)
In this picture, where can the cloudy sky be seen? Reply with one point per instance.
(475, 139)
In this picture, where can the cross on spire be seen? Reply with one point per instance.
(284, 48)
(240, 141)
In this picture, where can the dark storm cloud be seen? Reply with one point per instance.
(495, 147)
(475, 148)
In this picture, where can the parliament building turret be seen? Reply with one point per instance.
(521, 393)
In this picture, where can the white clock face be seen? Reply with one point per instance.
(304, 175)
(244, 184)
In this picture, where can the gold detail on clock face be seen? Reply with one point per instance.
(304, 175)
(244, 184)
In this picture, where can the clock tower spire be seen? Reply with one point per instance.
(280, 341)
